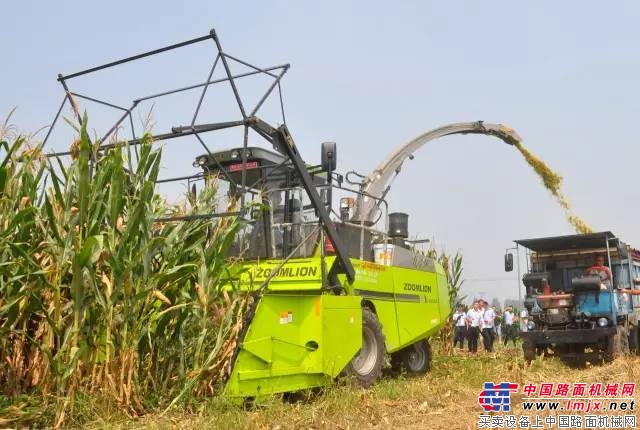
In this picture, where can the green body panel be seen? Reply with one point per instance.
(302, 336)
(411, 304)
(296, 342)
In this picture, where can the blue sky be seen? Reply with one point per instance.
(371, 75)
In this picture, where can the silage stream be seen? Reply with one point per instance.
(552, 182)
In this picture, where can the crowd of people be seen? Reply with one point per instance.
(488, 323)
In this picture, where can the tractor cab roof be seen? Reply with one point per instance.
(574, 242)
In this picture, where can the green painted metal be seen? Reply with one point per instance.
(296, 342)
(303, 337)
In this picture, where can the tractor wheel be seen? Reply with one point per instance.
(366, 366)
(416, 358)
(633, 339)
(614, 346)
(624, 340)
(529, 350)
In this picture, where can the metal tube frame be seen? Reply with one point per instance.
(279, 137)
(275, 72)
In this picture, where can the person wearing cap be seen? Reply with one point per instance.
(509, 321)
(460, 330)
(487, 326)
(474, 320)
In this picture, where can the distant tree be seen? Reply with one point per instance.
(496, 302)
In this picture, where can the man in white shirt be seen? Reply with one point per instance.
(509, 326)
(488, 324)
(474, 320)
(460, 330)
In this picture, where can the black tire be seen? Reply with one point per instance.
(416, 358)
(614, 346)
(366, 366)
(396, 363)
(529, 350)
(633, 339)
(624, 340)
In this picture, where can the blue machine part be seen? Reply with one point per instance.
(604, 303)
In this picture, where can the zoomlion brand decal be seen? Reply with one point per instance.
(417, 287)
(287, 272)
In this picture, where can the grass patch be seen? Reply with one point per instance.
(446, 398)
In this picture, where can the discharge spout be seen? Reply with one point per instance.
(376, 185)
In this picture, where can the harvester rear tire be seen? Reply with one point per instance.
(414, 359)
(366, 366)
(417, 358)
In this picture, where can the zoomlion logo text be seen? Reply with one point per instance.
(417, 287)
(287, 272)
(495, 396)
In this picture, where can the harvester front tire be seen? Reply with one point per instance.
(366, 366)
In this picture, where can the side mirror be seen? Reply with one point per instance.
(329, 156)
(508, 262)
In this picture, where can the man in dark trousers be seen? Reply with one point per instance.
(488, 325)
(509, 325)
(474, 320)
(460, 330)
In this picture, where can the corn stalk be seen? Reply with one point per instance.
(453, 268)
(95, 297)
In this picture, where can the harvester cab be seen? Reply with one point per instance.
(280, 215)
(578, 296)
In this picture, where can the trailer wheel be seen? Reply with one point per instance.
(417, 357)
(366, 366)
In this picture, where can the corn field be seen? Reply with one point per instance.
(97, 298)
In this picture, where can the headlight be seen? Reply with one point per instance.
(235, 154)
(201, 161)
(531, 325)
(563, 302)
(603, 322)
